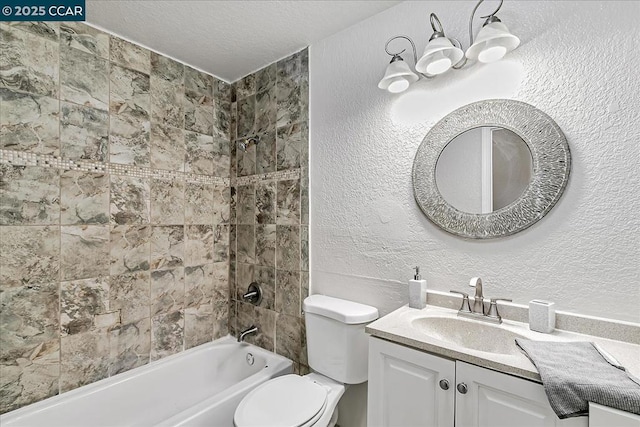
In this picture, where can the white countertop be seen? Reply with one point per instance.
(397, 327)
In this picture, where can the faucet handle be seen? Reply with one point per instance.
(493, 308)
(465, 307)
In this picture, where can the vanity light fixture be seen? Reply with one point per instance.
(442, 53)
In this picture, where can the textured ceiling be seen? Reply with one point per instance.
(229, 39)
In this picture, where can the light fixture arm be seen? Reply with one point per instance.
(396, 55)
(489, 18)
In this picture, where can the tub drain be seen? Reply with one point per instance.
(250, 359)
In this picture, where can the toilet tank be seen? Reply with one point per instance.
(337, 345)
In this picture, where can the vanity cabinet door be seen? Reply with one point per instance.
(493, 399)
(405, 389)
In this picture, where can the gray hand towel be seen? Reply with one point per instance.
(576, 373)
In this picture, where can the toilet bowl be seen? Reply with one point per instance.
(337, 350)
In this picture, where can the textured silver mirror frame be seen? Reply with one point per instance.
(551, 168)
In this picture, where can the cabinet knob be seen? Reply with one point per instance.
(444, 384)
(462, 388)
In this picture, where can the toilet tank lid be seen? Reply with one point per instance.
(344, 311)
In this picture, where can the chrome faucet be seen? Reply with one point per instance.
(478, 311)
(250, 330)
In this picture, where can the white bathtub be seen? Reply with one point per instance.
(198, 387)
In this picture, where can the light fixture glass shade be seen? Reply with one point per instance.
(397, 77)
(439, 55)
(493, 42)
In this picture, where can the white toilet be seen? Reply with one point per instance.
(337, 350)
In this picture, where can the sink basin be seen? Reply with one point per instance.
(469, 334)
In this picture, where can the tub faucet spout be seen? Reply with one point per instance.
(250, 330)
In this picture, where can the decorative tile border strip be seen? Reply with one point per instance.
(19, 158)
(255, 179)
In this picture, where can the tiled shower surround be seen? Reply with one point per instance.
(270, 206)
(114, 208)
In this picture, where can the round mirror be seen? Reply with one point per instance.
(484, 169)
(491, 169)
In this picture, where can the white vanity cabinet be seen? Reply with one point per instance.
(405, 390)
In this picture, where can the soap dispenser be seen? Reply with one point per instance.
(417, 291)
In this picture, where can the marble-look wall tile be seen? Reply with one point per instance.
(266, 276)
(30, 195)
(221, 204)
(48, 30)
(130, 295)
(29, 256)
(220, 319)
(84, 251)
(198, 82)
(288, 292)
(30, 378)
(84, 359)
(129, 248)
(288, 247)
(167, 334)
(29, 62)
(265, 320)
(304, 196)
(265, 210)
(246, 86)
(198, 245)
(30, 319)
(129, 139)
(166, 68)
(233, 127)
(167, 290)
(246, 204)
(304, 248)
(167, 147)
(198, 112)
(84, 133)
(246, 116)
(233, 205)
(84, 38)
(129, 92)
(129, 346)
(266, 245)
(289, 146)
(266, 78)
(245, 160)
(245, 275)
(84, 78)
(265, 111)
(288, 202)
(130, 55)
(246, 244)
(221, 89)
(84, 198)
(167, 202)
(221, 118)
(287, 98)
(266, 153)
(288, 336)
(199, 153)
(199, 203)
(167, 247)
(29, 123)
(166, 102)
(233, 239)
(198, 325)
(80, 302)
(130, 200)
(198, 285)
(221, 243)
(221, 291)
(221, 157)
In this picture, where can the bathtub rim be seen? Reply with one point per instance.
(95, 387)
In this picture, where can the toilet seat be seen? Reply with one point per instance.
(286, 401)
